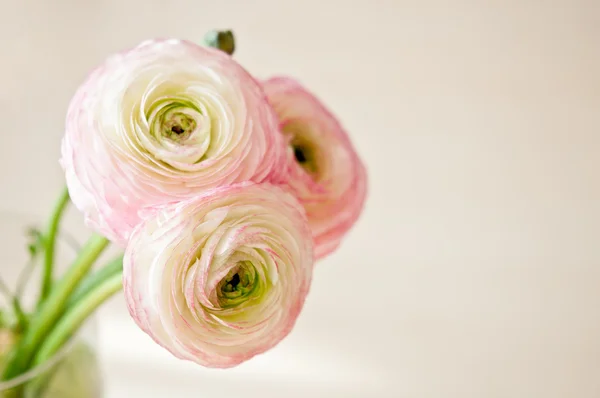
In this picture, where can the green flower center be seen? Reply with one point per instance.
(238, 286)
(304, 150)
(305, 155)
(179, 130)
(178, 125)
(174, 119)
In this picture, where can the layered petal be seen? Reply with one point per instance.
(222, 277)
(325, 171)
(162, 122)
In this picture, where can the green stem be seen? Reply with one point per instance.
(52, 308)
(76, 315)
(22, 320)
(93, 280)
(50, 242)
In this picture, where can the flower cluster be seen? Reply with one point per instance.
(222, 189)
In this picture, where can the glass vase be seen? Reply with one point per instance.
(73, 372)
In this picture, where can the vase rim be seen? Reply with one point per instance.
(22, 217)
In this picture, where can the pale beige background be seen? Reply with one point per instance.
(475, 270)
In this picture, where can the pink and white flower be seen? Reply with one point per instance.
(222, 277)
(162, 122)
(325, 172)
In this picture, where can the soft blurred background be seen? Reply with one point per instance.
(475, 268)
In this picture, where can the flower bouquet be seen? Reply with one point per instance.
(222, 191)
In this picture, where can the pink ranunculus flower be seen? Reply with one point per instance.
(222, 277)
(162, 122)
(325, 172)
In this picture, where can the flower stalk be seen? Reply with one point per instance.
(52, 308)
(50, 243)
(103, 286)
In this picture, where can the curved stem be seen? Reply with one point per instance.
(52, 308)
(50, 242)
(93, 280)
(76, 315)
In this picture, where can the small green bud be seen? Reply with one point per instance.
(221, 39)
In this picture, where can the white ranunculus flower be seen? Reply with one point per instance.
(162, 122)
(222, 277)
